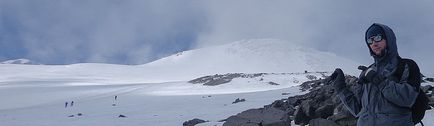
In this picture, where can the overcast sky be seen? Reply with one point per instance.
(140, 31)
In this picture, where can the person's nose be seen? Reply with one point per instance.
(375, 44)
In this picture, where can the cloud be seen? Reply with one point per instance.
(113, 31)
(336, 26)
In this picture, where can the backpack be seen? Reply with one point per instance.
(421, 104)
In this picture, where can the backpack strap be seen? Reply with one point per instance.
(414, 77)
(400, 69)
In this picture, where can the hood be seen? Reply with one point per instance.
(387, 62)
(391, 49)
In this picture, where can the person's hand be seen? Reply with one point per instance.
(362, 78)
(338, 80)
(370, 75)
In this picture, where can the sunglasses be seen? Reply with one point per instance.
(376, 38)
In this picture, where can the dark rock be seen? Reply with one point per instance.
(311, 77)
(193, 122)
(239, 100)
(294, 101)
(343, 117)
(280, 104)
(324, 111)
(309, 85)
(273, 83)
(285, 93)
(300, 118)
(122, 116)
(430, 79)
(322, 122)
(239, 121)
(259, 117)
(432, 93)
(79, 114)
(308, 108)
(426, 88)
(218, 79)
(290, 110)
(71, 116)
(431, 101)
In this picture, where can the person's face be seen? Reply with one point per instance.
(378, 47)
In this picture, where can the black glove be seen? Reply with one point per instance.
(370, 75)
(362, 78)
(338, 80)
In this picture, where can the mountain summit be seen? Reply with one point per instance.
(255, 56)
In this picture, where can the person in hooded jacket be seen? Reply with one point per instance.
(379, 99)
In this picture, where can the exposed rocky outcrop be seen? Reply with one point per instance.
(218, 79)
(319, 107)
(239, 100)
(193, 122)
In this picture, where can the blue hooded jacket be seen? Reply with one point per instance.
(386, 103)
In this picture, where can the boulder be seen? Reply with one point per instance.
(300, 118)
(259, 117)
(343, 117)
(426, 88)
(239, 100)
(193, 122)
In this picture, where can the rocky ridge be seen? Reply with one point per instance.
(218, 79)
(319, 107)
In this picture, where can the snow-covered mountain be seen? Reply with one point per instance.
(254, 56)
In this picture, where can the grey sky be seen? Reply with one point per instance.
(112, 31)
(139, 31)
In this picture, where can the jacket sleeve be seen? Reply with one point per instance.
(401, 92)
(351, 99)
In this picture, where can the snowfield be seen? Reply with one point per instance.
(159, 93)
(42, 103)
